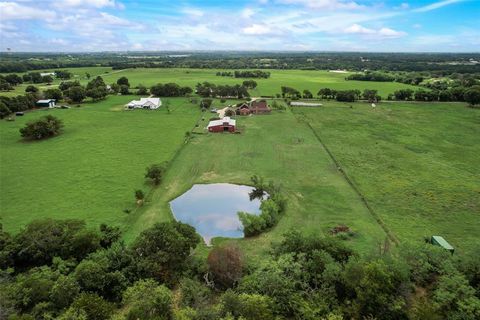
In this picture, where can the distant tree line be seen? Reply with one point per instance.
(207, 89)
(170, 90)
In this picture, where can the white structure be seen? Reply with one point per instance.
(305, 104)
(47, 103)
(145, 103)
(43, 74)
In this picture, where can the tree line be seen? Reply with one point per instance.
(62, 269)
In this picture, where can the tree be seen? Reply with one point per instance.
(146, 299)
(64, 291)
(123, 81)
(13, 79)
(155, 173)
(31, 88)
(142, 90)
(161, 251)
(4, 110)
(455, 298)
(124, 89)
(472, 95)
(93, 306)
(139, 196)
(247, 306)
(206, 103)
(76, 94)
(45, 127)
(370, 95)
(226, 265)
(250, 84)
(307, 94)
(403, 94)
(47, 79)
(53, 94)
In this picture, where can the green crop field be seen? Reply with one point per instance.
(91, 170)
(298, 79)
(416, 163)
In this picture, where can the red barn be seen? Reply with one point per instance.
(223, 125)
(254, 107)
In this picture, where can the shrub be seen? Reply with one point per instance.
(155, 172)
(147, 299)
(45, 127)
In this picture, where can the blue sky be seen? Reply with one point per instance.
(296, 25)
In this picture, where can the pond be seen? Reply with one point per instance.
(212, 209)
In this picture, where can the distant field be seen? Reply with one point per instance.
(416, 163)
(90, 171)
(298, 79)
(279, 148)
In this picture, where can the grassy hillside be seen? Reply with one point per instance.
(416, 163)
(299, 79)
(279, 148)
(90, 171)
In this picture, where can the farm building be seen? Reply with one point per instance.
(440, 241)
(44, 74)
(305, 104)
(223, 125)
(253, 107)
(145, 103)
(46, 103)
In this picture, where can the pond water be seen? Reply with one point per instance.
(212, 209)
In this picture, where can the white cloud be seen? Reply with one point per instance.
(247, 13)
(437, 5)
(257, 29)
(15, 11)
(193, 12)
(381, 33)
(324, 4)
(86, 3)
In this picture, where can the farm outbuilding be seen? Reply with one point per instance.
(145, 103)
(46, 103)
(440, 241)
(253, 107)
(223, 125)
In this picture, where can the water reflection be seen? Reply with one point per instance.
(212, 208)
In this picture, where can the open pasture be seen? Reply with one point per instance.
(278, 148)
(416, 164)
(91, 170)
(299, 79)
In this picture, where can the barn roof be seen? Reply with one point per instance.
(220, 122)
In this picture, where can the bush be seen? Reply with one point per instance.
(45, 127)
(155, 172)
(93, 306)
(147, 299)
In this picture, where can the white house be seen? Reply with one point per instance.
(145, 103)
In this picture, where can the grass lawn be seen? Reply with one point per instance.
(91, 170)
(416, 163)
(279, 148)
(298, 79)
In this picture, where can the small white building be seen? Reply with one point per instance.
(46, 103)
(43, 74)
(145, 103)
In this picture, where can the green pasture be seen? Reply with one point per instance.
(298, 79)
(90, 171)
(278, 148)
(416, 163)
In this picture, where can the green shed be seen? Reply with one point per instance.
(439, 241)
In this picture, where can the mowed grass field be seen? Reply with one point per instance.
(278, 148)
(91, 170)
(416, 163)
(298, 79)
